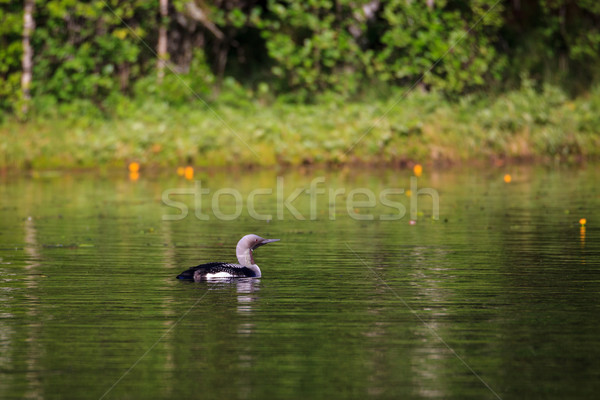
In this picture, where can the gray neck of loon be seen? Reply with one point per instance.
(244, 256)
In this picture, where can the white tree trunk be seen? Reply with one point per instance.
(199, 15)
(162, 40)
(27, 61)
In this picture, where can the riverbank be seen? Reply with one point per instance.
(542, 126)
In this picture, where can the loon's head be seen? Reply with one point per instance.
(246, 245)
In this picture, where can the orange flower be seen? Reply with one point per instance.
(134, 167)
(189, 173)
(418, 169)
(507, 178)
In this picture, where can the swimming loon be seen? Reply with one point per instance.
(245, 269)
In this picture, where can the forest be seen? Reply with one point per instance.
(500, 71)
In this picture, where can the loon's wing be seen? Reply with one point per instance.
(202, 270)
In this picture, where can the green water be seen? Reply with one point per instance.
(497, 298)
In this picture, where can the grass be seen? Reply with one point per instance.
(423, 127)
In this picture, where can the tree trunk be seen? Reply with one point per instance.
(27, 62)
(162, 40)
(199, 15)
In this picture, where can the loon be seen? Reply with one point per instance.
(245, 269)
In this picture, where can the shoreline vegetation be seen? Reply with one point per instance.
(240, 129)
(226, 84)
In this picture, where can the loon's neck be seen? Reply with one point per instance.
(244, 256)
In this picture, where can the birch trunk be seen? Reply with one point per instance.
(27, 61)
(162, 40)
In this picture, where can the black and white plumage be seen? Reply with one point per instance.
(245, 269)
(217, 270)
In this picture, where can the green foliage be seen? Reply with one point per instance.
(323, 45)
(284, 51)
(554, 41)
(181, 88)
(98, 53)
(525, 124)
(11, 50)
(312, 44)
(449, 47)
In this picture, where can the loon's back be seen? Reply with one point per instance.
(217, 270)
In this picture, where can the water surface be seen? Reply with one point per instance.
(499, 297)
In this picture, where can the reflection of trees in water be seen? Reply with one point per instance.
(409, 311)
(34, 349)
(428, 359)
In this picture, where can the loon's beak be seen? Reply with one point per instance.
(264, 241)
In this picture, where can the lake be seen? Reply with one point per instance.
(492, 291)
